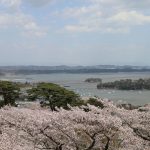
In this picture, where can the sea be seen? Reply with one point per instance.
(76, 82)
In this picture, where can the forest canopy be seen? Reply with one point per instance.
(127, 84)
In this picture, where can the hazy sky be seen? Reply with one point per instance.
(74, 32)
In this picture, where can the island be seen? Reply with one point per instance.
(93, 80)
(126, 84)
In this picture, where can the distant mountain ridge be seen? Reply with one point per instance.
(71, 69)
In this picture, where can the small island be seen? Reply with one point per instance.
(127, 84)
(93, 80)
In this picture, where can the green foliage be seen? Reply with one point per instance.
(126, 84)
(54, 95)
(10, 92)
(1, 103)
(95, 102)
(24, 85)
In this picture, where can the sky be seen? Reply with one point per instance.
(74, 32)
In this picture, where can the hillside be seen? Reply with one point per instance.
(71, 69)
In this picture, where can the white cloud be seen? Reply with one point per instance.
(38, 3)
(96, 15)
(107, 16)
(81, 11)
(130, 18)
(23, 22)
(13, 4)
(136, 4)
(78, 28)
(17, 3)
(12, 16)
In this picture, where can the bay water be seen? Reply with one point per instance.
(76, 82)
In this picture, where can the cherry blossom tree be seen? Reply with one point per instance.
(110, 128)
